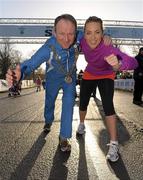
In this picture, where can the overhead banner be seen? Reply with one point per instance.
(24, 31)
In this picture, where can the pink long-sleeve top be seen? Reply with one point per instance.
(96, 63)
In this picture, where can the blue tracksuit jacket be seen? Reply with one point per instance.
(55, 80)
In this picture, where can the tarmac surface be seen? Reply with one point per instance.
(26, 153)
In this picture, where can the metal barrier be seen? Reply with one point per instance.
(125, 84)
(3, 85)
(25, 84)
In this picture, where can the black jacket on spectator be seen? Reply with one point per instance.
(138, 72)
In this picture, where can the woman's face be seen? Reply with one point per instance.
(93, 34)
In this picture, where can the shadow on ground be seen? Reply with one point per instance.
(23, 169)
(123, 137)
(59, 168)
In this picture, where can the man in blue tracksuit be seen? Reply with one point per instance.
(60, 53)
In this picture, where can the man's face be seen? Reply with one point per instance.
(141, 52)
(65, 33)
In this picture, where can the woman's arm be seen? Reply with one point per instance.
(122, 61)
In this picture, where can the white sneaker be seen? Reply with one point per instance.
(81, 129)
(112, 154)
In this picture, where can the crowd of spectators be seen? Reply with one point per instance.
(124, 75)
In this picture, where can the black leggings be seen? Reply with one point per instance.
(106, 89)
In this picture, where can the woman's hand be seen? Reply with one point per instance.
(113, 61)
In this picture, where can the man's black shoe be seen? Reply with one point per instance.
(64, 144)
(47, 128)
(139, 103)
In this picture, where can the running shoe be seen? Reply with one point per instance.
(81, 129)
(112, 154)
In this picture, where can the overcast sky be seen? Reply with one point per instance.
(131, 10)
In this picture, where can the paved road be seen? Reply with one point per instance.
(27, 154)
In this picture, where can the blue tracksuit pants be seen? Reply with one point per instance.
(68, 99)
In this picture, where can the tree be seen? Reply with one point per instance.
(8, 57)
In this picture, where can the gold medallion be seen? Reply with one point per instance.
(68, 79)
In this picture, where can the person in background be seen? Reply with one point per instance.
(80, 74)
(38, 84)
(138, 77)
(60, 53)
(102, 64)
(43, 84)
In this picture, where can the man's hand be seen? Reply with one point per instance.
(107, 40)
(113, 61)
(13, 75)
